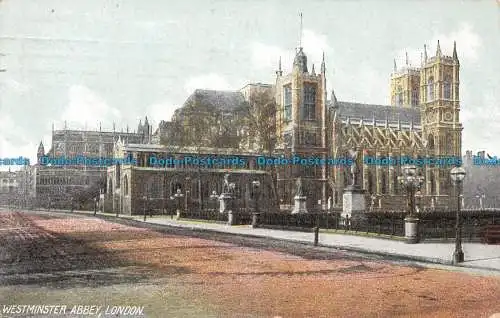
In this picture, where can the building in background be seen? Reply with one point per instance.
(8, 187)
(66, 185)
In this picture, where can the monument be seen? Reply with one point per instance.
(300, 199)
(226, 197)
(353, 198)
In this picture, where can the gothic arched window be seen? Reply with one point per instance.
(430, 142)
(309, 107)
(414, 96)
(399, 96)
(125, 185)
(447, 88)
(287, 100)
(430, 89)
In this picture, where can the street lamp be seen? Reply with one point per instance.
(144, 198)
(481, 197)
(411, 182)
(255, 215)
(178, 196)
(457, 176)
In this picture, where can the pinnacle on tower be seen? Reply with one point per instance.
(313, 72)
(425, 53)
(40, 147)
(279, 72)
(407, 62)
(395, 66)
(438, 50)
(323, 65)
(455, 55)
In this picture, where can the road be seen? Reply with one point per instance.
(53, 259)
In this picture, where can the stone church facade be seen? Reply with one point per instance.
(423, 121)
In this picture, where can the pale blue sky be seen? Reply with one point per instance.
(92, 60)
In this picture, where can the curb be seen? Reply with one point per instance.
(389, 255)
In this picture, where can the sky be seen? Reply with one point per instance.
(116, 61)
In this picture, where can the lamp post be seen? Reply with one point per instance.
(255, 214)
(411, 182)
(178, 196)
(457, 175)
(481, 197)
(144, 198)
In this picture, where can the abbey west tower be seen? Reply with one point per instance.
(434, 88)
(301, 125)
(422, 121)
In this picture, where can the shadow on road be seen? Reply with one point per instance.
(35, 256)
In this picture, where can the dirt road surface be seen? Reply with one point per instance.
(48, 259)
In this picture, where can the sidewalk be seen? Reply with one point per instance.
(477, 256)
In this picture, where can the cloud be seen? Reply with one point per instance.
(161, 111)
(11, 85)
(208, 81)
(12, 145)
(267, 56)
(468, 42)
(86, 107)
(468, 45)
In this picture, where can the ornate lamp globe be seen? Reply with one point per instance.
(409, 170)
(457, 174)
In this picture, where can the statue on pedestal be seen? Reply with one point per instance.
(225, 186)
(298, 184)
(354, 154)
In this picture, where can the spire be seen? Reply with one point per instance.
(438, 49)
(146, 121)
(300, 34)
(395, 66)
(313, 72)
(279, 72)
(334, 98)
(323, 65)
(455, 55)
(407, 62)
(425, 53)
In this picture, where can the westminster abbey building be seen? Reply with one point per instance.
(421, 122)
(302, 120)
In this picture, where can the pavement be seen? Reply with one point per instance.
(477, 255)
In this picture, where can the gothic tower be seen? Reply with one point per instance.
(301, 128)
(440, 109)
(405, 85)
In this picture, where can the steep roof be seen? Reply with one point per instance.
(223, 100)
(380, 112)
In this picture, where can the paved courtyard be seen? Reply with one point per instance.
(46, 258)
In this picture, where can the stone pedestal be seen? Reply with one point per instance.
(226, 203)
(353, 202)
(232, 218)
(300, 205)
(411, 230)
(255, 219)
